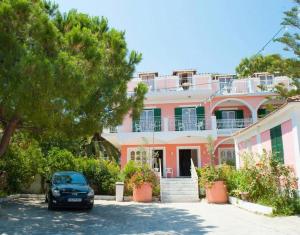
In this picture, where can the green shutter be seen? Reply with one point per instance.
(200, 117)
(178, 118)
(218, 114)
(157, 120)
(239, 114)
(135, 122)
(277, 145)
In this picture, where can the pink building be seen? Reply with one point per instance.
(277, 133)
(182, 110)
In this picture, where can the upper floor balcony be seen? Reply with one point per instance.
(162, 130)
(208, 84)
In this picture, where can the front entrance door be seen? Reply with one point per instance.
(185, 162)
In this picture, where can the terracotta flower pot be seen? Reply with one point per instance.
(216, 192)
(143, 193)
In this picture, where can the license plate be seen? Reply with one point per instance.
(74, 199)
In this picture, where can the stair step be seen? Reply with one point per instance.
(180, 198)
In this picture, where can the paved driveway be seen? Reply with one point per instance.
(107, 217)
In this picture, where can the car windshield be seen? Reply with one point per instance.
(69, 178)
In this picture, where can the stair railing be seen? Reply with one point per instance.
(160, 176)
(194, 174)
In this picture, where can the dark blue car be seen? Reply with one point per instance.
(69, 189)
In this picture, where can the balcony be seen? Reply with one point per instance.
(161, 131)
(229, 126)
(204, 85)
(166, 124)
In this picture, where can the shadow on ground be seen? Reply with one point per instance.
(27, 217)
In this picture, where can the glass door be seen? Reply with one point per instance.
(147, 120)
(189, 119)
(228, 118)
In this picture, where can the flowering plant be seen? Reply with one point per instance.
(142, 175)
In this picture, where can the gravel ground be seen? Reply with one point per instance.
(29, 216)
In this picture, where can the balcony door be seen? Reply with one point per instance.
(147, 120)
(189, 119)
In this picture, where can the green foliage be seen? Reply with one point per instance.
(22, 162)
(292, 21)
(208, 175)
(265, 182)
(59, 160)
(273, 64)
(142, 175)
(101, 174)
(63, 74)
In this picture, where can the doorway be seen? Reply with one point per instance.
(185, 156)
(158, 157)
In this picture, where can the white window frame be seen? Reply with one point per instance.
(148, 149)
(228, 149)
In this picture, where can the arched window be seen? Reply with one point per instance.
(132, 156)
(138, 156)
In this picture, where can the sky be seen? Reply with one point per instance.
(211, 36)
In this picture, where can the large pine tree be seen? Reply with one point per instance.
(62, 74)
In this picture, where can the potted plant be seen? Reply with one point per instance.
(142, 183)
(120, 188)
(211, 178)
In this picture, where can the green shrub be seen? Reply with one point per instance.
(265, 181)
(22, 162)
(59, 160)
(101, 174)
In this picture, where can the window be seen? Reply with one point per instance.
(227, 119)
(185, 80)
(139, 156)
(225, 84)
(189, 119)
(150, 120)
(227, 156)
(266, 80)
(149, 81)
(277, 144)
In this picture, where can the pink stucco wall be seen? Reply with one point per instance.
(266, 141)
(287, 140)
(170, 153)
(288, 143)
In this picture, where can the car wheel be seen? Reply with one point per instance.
(50, 206)
(90, 207)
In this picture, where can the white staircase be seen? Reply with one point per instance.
(179, 190)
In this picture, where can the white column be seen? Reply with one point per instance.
(250, 85)
(254, 115)
(166, 124)
(213, 123)
(237, 154)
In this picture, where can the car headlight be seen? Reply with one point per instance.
(91, 193)
(55, 192)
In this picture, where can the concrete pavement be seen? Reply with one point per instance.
(109, 217)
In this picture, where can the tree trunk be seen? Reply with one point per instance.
(7, 134)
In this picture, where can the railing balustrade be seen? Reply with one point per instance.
(233, 123)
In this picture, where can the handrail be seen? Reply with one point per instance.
(160, 176)
(193, 171)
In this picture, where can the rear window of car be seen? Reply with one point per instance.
(69, 178)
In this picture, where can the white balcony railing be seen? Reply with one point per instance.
(205, 82)
(233, 123)
(166, 124)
